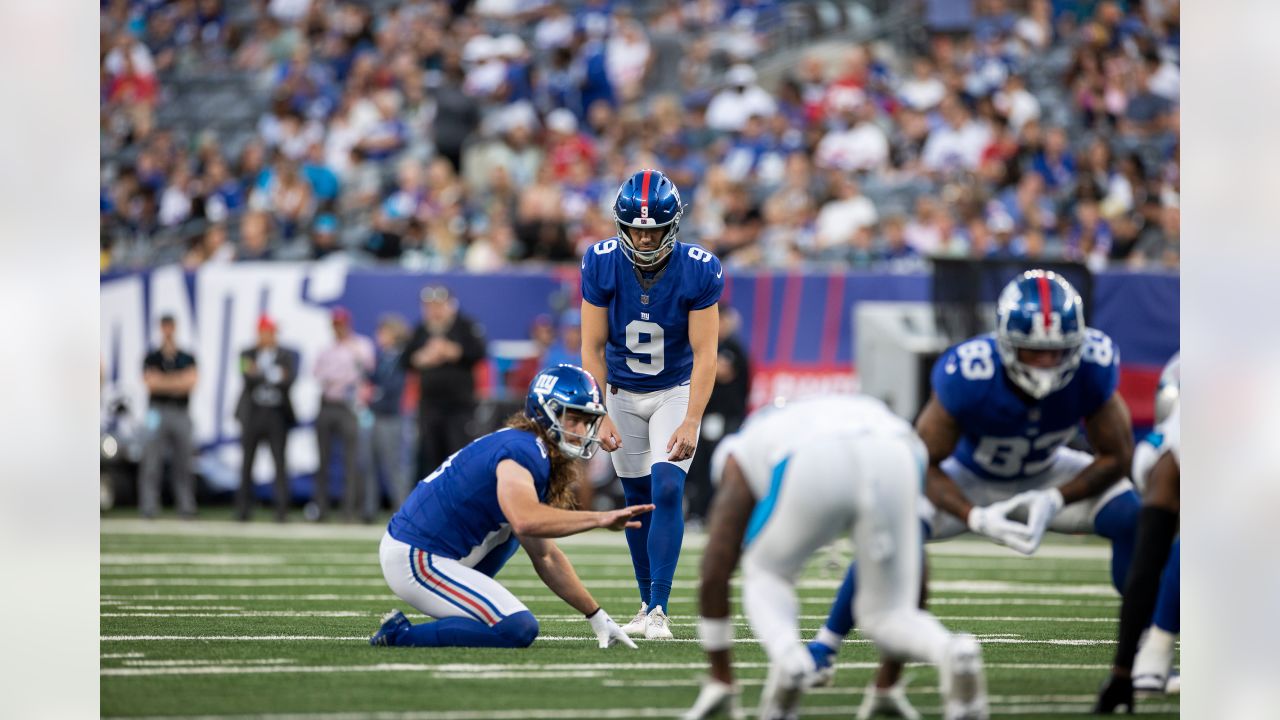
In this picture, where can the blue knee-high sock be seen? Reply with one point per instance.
(515, 631)
(840, 620)
(639, 491)
(668, 531)
(1168, 603)
(1117, 521)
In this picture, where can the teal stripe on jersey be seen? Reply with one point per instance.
(764, 508)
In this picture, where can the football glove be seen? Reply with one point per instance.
(1042, 507)
(607, 631)
(993, 522)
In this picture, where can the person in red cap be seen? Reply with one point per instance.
(340, 370)
(266, 413)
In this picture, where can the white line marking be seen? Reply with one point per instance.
(977, 587)
(624, 713)
(998, 639)
(244, 614)
(202, 663)
(118, 656)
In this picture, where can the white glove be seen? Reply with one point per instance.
(716, 699)
(607, 631)
(1042, 507)
(993, 522)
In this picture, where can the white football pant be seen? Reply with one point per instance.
(646, 422)
(836, 482)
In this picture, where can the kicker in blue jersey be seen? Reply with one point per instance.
(454, 512)
(648, 347)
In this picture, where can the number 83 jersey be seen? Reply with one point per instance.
(648, 347)
(1003, 435)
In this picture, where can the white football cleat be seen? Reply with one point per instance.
(1174, 686)
(887, 702)
(963, 681)
(656, 625)
(1154, 661)
(715, 700)
(635, 628)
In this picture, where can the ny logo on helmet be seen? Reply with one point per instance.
(545, 384)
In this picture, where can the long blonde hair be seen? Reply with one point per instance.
(566, 472)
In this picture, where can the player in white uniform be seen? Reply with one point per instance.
(797, 476)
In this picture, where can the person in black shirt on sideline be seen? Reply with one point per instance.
(725, 413)
(170, 374)
(265, 412)
(444, 350)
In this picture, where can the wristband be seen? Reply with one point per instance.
(715, 633)
(593, 612)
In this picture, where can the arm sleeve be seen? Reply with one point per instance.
(595, 286)
(471, 338)
(712, 284)
(526, 453)
(151, 362)
(1101, 380)
(415, 343)
(948, 384)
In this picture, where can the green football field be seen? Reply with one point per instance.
(216, 619)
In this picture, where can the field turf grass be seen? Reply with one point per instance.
(216, 619)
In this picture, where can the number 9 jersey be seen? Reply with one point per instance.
(648, 347)
(1004, 436)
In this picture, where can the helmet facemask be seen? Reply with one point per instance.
(586, 444)
(1039, 382)
(646, 259)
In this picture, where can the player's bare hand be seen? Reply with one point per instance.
(624, 518)
(610, 440)
(683, 441)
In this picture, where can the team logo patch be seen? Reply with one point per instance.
(545, 384)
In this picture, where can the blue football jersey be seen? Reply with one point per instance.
(1003, 436)
(454, 511)
(648, 347)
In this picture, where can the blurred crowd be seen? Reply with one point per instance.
(477, 135)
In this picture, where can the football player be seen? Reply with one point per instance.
(1156, 466)
(649, 332)
(459, 526)
(1003, 408)
(797, 476)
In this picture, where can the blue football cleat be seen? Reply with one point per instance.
(392, 623)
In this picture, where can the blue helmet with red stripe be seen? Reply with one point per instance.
(648, 199)
(1040, 331)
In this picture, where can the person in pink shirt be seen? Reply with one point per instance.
(340, 369)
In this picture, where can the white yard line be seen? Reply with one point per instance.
(245, 614)
(941, 586)
(997, 639)
(626, 713)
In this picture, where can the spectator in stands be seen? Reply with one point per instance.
(265, 412)
(567, 349)
(340, 371)
(444, 351)
(842, 216)
(542, 336)
(384, 449)
(255, 237)
(170, 375)
(739, 100)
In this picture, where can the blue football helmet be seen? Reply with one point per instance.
(557, 390)
(648, 199)
(1039, 310)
